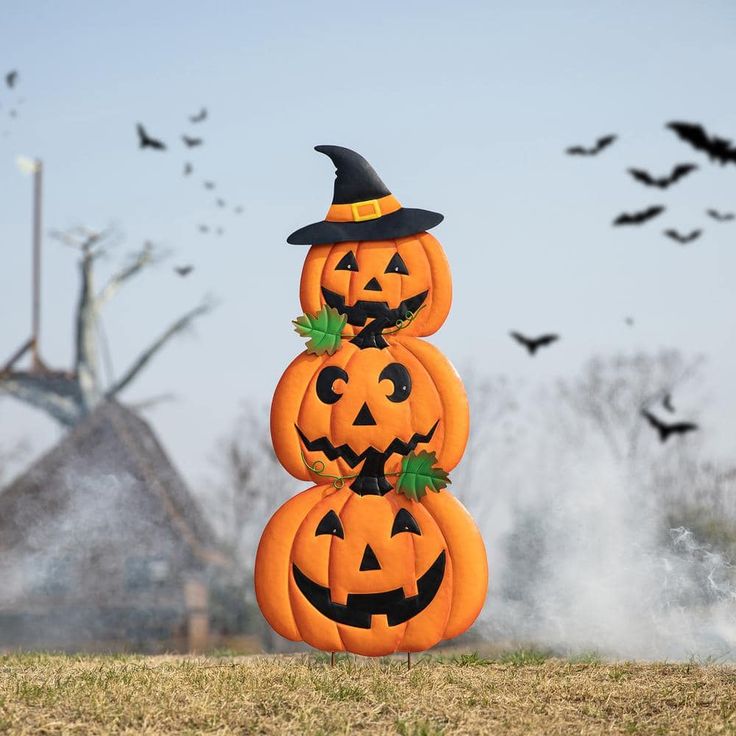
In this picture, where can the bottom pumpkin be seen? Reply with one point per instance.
(370, 574)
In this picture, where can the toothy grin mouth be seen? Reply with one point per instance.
(371, 479)
(361, 607)
(359, 312)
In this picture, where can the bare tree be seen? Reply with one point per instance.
(611, 392)
(251, 483)
(69, 395)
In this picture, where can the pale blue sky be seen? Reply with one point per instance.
(463, 107)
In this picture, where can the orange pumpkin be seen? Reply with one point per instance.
(360, 411)
(380, 282)
(370, 574)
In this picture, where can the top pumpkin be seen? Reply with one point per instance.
(372, 259)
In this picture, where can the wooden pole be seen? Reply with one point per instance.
(332, 659)
(36, 284)
(408, 660)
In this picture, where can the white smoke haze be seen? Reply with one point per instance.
(599, 537)
(577, 514)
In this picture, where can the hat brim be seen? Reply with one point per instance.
(399, 224)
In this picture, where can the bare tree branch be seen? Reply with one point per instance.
(57, 395)
(181, 324)
(67, 396)
(84, 239)
(142, 258)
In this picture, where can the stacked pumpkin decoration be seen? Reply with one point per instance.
(378, 556)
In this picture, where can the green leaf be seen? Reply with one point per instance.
(323, 329)
(419, 473)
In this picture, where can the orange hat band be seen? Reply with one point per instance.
(370, 209)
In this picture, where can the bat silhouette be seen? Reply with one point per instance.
(209, 184)
(718, 149)
(184, 270)
(637, 218)
(663, 182)
(721, 216)
(600, 144)
(13, 113)
(199, 117)
(204, 229)
(145, 140)
(683, 239)
(532, 344)
(191, 142)
(665, 430)
(187, 169)
(220, 231)
(11, 78)
(238, 210)
(629, 321)
(667, 403)
(220, 202)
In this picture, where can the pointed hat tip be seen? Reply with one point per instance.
(355, 179)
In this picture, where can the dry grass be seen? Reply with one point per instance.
(523, 694)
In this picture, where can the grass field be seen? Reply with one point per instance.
(464, 694)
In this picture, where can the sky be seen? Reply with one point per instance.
(463, 108)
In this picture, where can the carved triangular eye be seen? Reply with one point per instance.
(347, 262)
(330, 524)
(397, 265)
(405, 522)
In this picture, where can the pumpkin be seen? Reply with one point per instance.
(370, 574)
(359, 411)
(379, 282)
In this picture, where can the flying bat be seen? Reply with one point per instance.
(637, 218)
(184, 270)
(683, 239)
(220, 202)
(663, 182)
(532, 344)
(220, 231)
(629, 321)
(238, 210)
(203, 228)
(191, 142)
(187, 169)
(11, 78)
(199, 117)
(718, 149)
(600, 144)
(145, 140)
(665, 430)
(721, 216)
(667, 403)
(209, 184)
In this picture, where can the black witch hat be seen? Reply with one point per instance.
(362, 207)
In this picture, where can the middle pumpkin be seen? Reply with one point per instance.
(360, 411)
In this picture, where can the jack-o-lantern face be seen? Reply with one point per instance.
(377, 283)
(360, 411)
(370, 574)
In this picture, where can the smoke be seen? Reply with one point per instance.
(91, 564)
(577, 512)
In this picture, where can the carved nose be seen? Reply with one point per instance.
(373, 285)
(364, 417)
(369, 561)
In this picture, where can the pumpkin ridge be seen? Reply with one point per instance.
(406, 345)
(329, 579)
(302, 529)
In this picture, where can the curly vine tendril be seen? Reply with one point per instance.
(403, 323)
(338, 481)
